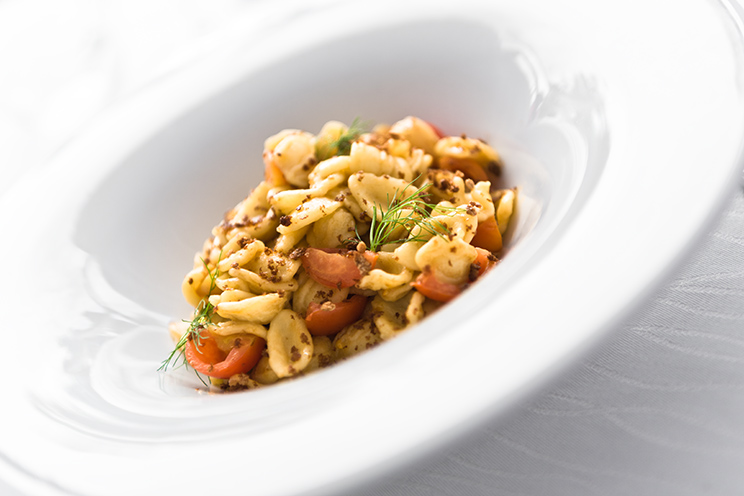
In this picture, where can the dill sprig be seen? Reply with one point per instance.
(407, 213)
(201, 321)
(342, 144)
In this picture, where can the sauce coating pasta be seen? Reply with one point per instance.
(352, 237)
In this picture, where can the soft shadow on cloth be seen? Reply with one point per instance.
(656, 410)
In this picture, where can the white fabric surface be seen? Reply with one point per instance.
(657, 409)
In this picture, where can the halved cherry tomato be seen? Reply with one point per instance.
(467, 166)
(337, 268)
(322, 321)
(428, 285)
(487, 235)
(484, 260)
(210, 360)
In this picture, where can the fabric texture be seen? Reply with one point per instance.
(657, 409)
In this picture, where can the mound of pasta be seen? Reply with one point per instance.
(352, 237)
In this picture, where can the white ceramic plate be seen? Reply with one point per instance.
(621, 122)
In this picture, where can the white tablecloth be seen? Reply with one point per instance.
(658, 409)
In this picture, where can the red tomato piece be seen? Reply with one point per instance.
(322, 321)
(467, 166)
(488, 236)
(208, 359)
(428, 285)
(337, 268)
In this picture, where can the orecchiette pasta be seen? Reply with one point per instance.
(352, 237)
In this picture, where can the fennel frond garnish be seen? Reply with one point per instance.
(342, 144)
(409, 213)
(202, 319)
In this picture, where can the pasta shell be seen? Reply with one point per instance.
(505, 209)
(356, 338)
(293, 152)
(449, 259)
(257, 309)
(289, 344)
(324, 354)
(231, 328)
(417, 131)
(307, 213)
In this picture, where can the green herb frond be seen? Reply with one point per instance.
(202, 319)
(407, 214)
(342, 144)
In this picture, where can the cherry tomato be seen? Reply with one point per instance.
(467, 166)
(428, 285)
(208, 359)
(487, 235)
(337, 268)
(324, 321)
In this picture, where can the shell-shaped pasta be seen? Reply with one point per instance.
(253, 216)
(372, 160)
(505, 208)
(287, 241)
(417, 131)
(327, 138)
(259, 284)
(230, 328)
(378, 280)
(395, 294)
(307, 213)
(398, 148)
(293, 152)
(257, 309)
(352, 205)
(470, 148)
(324, 354)
(460, 222)
(310, 291)
(334, 165)
(241, 381)
(482, 196)
(387, 274)
(446, 185)
(391, 317)
(449, 259)
(405, 254)
(228, 283)
(241, 256)
(370, 190)
(263, 373)
(415, 310)
(286, 201)
(289, 344)
(274, 266)
(332, 230)
(254, 205)
(194, 288)
(400, 162)
(356, 338)
(230, 295)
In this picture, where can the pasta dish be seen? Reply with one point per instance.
(352, 237)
